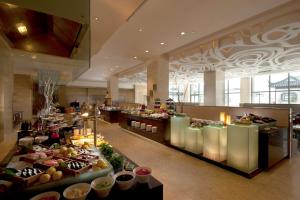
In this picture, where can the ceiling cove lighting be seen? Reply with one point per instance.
(21, 28)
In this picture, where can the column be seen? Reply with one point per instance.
(245, 90)
(8, 136)
(158, 79)
(140, 93)
(113, 88)
(214, 88)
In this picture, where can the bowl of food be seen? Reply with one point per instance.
(103, 185)
(124, 179)
(77, 191)
(142, 174)
(47, 196)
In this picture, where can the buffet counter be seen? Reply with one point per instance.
(156, 129)
(245, 149)
(152, 189)
(111, 116)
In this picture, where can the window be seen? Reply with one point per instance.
(187, 91)
(260, 89)
(232, 92)
(176, 92)
(279, 88)
(196, 93)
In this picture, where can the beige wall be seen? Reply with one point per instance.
(7, 136)
(66, 95)
(126, 95)
(140, 93)
(22, 99)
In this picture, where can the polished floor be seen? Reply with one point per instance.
(187, 178)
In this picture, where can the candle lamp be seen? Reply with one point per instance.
(228, 120)
(222, 117)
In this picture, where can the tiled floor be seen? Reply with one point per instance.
(188, 178)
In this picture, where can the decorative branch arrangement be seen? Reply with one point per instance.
(48, 80)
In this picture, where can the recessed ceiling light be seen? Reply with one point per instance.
(21, 28)
(33, 57)
(96, 18)
(182, 33)
(140, 29)
(162, 43)
(135, 57)
(11, 5)
(146, 51)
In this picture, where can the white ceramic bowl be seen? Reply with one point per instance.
(46, 194)
(82, 186)
(142, 178)
(104, 191)
(124, 185)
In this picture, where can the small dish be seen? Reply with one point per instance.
(142, 174)
(124, 179)
(47, 195)
(77, 191)
(103, 185)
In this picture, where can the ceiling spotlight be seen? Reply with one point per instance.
(33, 57)
(135, 57)
(182, 33)
(146, 51)
(140, 29)
(162, 43)
(11, 5)
(96, 18)
(21, 28)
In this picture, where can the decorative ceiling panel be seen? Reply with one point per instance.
(243, 53)
(135, 78)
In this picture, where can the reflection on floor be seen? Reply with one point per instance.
(187, 178)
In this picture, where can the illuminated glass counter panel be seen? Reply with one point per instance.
(178, 126)
(243, 147)
(194, 140)
(215, 143)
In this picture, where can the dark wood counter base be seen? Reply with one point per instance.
(111, 116)
(163, 127)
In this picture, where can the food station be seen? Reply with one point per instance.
(64, 156)
(232, 138)
(74, 168)
(110, 114)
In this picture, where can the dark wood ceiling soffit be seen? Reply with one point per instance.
(44, 33)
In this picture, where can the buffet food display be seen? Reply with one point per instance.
(36, 170)
(233, 145)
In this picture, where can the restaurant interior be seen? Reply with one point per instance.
(148, 99)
